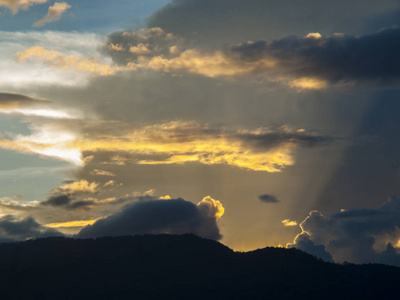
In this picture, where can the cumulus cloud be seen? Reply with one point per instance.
(54, 14)
(268, 198)
(16, 229)
(304, 242)
(16, 5)
(357, 235)
(173, 216)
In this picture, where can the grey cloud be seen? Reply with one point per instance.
(276, 136)
(14, 229)
(268, 198)
(358, 235)
(175, 216)
(371, 59)
(83, 204)
(70, 195)
(337, 59)
(68, 202)
(128, 46)
(58, 200)
(304, 243)
(11, 100)
(217, 22)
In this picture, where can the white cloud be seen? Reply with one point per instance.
(36, 73)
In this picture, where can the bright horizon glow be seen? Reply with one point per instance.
(44, 112)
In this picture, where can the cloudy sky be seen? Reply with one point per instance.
(256, 123)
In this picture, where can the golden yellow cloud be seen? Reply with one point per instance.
(101, 173)
(313, 35)
(63, 61)
(77, 223)
(289, 223)
(213, 64)
(54, 14)
(308, 83)
(80, 186)
(214, 207)
(265, 149)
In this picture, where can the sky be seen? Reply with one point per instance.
(255, 123)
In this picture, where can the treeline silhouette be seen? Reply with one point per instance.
(180, 267)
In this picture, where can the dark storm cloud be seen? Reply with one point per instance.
(268, 198)
(14, 229)
(338, 59)
(359, 235)
(175, 216)
(217, 22)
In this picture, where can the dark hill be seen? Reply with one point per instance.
(180, 267)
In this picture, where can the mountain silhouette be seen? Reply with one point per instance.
(180, 267)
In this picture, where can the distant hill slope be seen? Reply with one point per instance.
(180, 267)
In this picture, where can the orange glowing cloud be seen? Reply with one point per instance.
(54, 14)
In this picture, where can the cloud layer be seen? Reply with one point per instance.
(219, 22)
(308, 62)
(264, 149)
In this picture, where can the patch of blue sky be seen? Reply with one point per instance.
(99, 16)
(30, 175)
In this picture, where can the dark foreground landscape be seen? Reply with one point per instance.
(180, 267)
